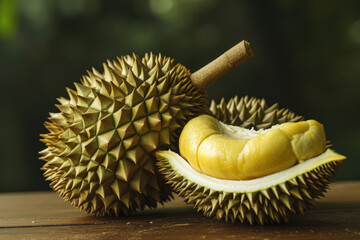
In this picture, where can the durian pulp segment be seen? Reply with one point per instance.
(231, 152)
(184, 169)
(270, 199)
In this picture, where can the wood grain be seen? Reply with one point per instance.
(43, 215)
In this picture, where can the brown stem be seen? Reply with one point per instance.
(208, 74)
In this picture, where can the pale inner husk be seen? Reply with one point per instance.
(183, 168)
(243, 133)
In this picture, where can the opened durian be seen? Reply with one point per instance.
(100, 146)
(256, 176)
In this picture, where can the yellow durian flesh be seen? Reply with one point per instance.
(234, 153)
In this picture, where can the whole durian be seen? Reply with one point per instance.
(99, 149)
(264, 191)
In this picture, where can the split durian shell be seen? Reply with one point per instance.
(271, 199)
(99, 149)
(250, 112)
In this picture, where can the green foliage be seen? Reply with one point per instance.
(8, 18)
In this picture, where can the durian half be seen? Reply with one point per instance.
(283, 176)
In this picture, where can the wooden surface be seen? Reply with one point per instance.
(43, 215)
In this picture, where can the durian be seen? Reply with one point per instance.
(100, 147)
(262, 176)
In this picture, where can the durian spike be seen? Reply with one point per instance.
(232, 58)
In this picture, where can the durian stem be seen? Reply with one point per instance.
(232, 58)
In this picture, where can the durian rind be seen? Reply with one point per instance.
(251, 112)
(100, 146)
(270, 199)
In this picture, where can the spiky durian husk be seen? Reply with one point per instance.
(251, 113)
(100, 146)
(275, 204)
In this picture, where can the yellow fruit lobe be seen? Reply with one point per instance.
(235, 153)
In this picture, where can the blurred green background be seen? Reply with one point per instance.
(307, 58)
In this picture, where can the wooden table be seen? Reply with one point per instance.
(43, 215)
